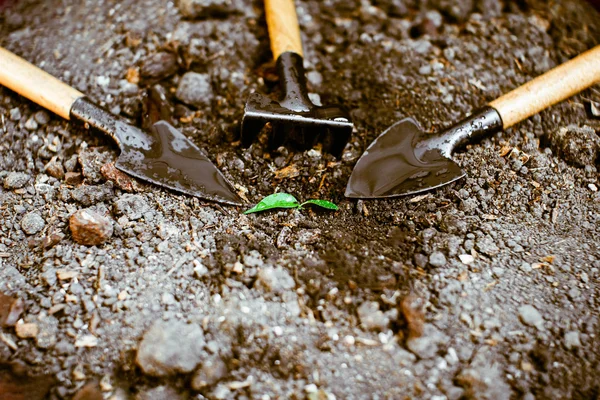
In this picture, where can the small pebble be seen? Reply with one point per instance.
(195, 89)
(32, 223)
(26, 330)
(15, 114)
(31, 125)
(572, 340)
(42, 117)
(16, 180)
(90, 228)
(530, 316)
(437, 259)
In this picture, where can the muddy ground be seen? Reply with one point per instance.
(485, 289)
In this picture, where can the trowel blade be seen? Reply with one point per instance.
(174, 162)
(397, 164)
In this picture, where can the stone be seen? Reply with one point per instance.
(15, 114)
(420, 260)
(11, 309)
(73, 178)
(206, 8)
(437, 259)
(466, 259)
(212, 371)
(427, 345)
(572, 340)
(484, 378)
(487, 246)
(55, 168)
(371, 318)
(530, 316)
(42, 117)
(171, 347)
(26, 330)
(133, 206)
(92, 160)
(90, 228)
(159, 65)
(16, 180)
(195, 89)
(159, 393)
(119, 178)
(274, 279)
(89, 195)
(90, 391)
(32, 223)
(31, 124)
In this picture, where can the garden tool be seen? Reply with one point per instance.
(405, 160)
(294, 118)
(162, 155)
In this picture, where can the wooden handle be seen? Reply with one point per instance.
(284, 30)
(38, 86)
(550, 88)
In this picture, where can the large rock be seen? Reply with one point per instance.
(171, 347)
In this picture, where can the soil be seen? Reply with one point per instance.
(484, 289)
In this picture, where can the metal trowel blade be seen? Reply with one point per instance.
(399, 163)
(174, 162)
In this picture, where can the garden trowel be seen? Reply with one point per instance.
(162, 155)
(295, 119)
(405, 160)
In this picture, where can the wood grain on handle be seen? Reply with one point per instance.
(550, 88)
(284, 31)
(38, 86)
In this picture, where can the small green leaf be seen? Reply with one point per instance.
(277, 200)
(321, 203)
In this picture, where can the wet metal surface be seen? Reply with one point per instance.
(164, 156)
(295, 119)
(404, 160)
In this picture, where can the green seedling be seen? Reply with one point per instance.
(285, 200)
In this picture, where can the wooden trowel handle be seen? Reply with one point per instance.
(284, 30)
(550, 88)
(38, 86)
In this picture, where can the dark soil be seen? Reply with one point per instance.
(484, 289)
